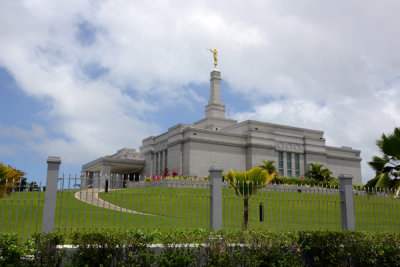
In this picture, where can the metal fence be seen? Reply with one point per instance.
(21, 211)
(280, 207)
(157, 205)
(69, 205)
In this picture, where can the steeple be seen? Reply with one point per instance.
(215, 107)
(215, 110)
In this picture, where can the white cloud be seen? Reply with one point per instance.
(13, 132)
(328, 66)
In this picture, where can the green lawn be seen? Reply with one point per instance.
(186, 208)
(174, 208)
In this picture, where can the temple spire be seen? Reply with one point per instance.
(215, 107)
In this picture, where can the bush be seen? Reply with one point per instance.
(329, 248)
(359, 187)
(218, 252)
(173, 255)
(272, 248)
(332, 183)
(222, 248)
(112, 248)
(135, 252)
(44, 249)
(96, 248)
(11, 250)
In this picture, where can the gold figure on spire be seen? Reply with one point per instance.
(215, 56)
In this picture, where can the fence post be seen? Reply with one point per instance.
(215, 198)
(347, 202)
(50, 199)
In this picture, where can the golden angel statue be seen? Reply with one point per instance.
(215, 56)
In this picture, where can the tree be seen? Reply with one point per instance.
(318, 172)
(21, 185)
(378, 163)
(387, 168)
(269, 166)
(245, 184)
(9, 177)
(33, 186)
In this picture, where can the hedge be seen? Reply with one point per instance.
(205, 248)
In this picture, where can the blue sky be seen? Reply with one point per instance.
(81, 79)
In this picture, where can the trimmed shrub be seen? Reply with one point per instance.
(44, 248)
(11, 250)
(332, 183)
(214, 248)
(112, 248)
(329, 248)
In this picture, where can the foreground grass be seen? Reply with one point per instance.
(185, 208)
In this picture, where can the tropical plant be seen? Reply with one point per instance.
(318, 172)
(378, 163)
(9, 177)
(387, 168)
(245, 184)
(269, 166)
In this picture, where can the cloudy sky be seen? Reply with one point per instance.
(81, 79)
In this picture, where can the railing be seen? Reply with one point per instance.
(280, 207)
(66, 206)
(377, 210)
(157, 205)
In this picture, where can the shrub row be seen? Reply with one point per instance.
(332, 183)
(296, 181)
(220, 248)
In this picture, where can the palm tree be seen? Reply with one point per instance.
(318, 172)
(387, 168)
(245, 184)
(269, 166)
(378, 163)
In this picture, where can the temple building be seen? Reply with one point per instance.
(190, 149)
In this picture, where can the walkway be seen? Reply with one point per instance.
(91, 196)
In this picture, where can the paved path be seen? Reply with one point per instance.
(91, 196)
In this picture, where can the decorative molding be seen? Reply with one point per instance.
(162, 145)
(289, 147)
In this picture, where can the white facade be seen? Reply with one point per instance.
(190, 149)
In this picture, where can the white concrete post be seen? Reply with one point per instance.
(215, 198)
(347, 202)
(50, 199)
(105, 173)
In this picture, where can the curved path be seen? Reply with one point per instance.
(91, 196)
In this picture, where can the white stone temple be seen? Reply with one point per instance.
(190, 149)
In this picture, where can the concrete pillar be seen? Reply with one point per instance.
(89, 179)
(50, 199)
(347, 202)
(83, 179)
(215, 198)
(105, 173)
